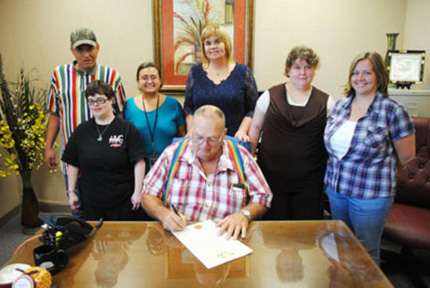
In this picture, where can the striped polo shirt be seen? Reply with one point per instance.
(66, 97)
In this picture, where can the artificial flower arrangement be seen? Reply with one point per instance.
(23, 123)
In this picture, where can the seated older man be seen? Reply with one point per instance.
(206, 177)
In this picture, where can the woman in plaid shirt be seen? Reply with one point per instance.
(366, 135)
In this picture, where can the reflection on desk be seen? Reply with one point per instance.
(296, 253)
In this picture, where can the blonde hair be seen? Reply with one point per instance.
(219, 32)
(379, 69)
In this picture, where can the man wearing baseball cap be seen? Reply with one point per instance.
(66, 100)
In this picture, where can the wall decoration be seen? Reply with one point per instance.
(177, 28)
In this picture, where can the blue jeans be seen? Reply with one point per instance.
(78, 212)
(365, 217)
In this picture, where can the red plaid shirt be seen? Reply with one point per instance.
(200, 197)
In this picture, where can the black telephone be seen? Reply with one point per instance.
(65, 231)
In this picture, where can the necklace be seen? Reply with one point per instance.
(363, 103)
(100, 138)
(219, 72)
(152, 131)
(362, 107)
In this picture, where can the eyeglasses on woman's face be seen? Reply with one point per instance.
(99, 101)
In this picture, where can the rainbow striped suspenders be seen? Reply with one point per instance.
(237, 160)
(174, 167)
(233, 149)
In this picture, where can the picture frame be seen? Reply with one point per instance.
(405, 67)
(177, 28)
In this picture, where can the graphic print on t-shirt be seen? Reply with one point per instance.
(116, 141)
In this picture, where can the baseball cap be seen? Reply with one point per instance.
(82, 36)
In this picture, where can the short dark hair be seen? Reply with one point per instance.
(99, 87)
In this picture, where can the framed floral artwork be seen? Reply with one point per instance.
(177, 28)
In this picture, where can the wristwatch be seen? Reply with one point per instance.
(247, 214)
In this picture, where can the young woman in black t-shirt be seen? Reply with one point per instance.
(106, 154)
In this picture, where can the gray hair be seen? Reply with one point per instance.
(211, 112)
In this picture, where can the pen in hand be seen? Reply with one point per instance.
(174, 209)
(183, 221)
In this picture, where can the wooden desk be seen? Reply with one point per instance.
(293, 254)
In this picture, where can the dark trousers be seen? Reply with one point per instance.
(296, 198)
(120, 212)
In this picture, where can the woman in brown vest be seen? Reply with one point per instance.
(291, 153)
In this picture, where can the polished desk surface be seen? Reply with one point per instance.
(292, 254)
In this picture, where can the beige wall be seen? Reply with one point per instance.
(336, 29)
(417, 23)
(9, 196)
(35, 33)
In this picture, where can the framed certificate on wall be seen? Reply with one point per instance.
(406, 66)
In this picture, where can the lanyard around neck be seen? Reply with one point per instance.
(151, 131)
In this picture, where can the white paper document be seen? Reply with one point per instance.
(212, 250)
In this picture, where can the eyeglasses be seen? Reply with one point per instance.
(99, 101)
(152, 77)
(211, 140)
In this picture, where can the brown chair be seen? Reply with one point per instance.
(408, 222)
